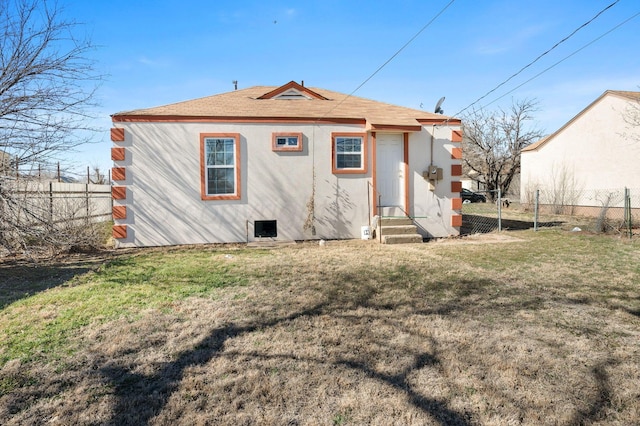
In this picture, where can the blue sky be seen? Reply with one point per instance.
(158, 52)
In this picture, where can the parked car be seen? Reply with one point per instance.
(472, 197)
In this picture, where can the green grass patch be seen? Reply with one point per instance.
(40, 326)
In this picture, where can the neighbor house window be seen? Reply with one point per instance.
(286, 142)
(349, 152)
(220, 162)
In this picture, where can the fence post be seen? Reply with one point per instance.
(86, 196)
(627, 211)
(51, 202)
(499, 211)
(535, 210)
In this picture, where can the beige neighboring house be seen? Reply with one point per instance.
(283, 163)
(597, 151)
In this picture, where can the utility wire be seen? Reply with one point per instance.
(392, 56)
(311, 203)
(538, 58)
(564, 59)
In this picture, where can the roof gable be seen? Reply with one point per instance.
(292, 90)
(619, 93)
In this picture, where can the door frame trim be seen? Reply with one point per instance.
(405, 165)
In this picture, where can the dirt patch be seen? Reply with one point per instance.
(481, 238)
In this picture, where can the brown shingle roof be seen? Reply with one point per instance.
(244, 104)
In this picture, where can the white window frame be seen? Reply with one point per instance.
(287, 146)
(205, 166)
(336, 139)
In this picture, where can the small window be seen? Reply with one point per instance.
(265, 228)
(349, 152)
(287, 142)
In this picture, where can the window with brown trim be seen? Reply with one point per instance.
(286, 142)
(220, 166)
(349, 152)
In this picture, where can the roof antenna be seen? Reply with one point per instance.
(438, 109)
(235, 84)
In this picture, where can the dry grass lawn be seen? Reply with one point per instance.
(525, 328)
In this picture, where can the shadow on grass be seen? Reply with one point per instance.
(602, 399)
(635, 312)
(22, 278)
(142, 397)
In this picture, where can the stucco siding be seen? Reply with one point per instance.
(596, 150)
(432, 205)
(163, 186)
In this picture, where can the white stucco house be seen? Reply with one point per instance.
(285, 163)
(596, 152)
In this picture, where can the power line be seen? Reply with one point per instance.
(393, 56)
(311, 203)
(564, 59)
(538, 58)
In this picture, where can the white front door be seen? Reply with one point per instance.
(390, 169)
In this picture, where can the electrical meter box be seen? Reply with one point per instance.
(433, 173)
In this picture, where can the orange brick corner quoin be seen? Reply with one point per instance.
(456, 136)
(456, 203)
(119, 231)
(456, 186)
(117, 135)
(456, 220)
(119, 212)
(456, 170)
(118, 173)
(119, 192)
(117, 154)
(456, 153)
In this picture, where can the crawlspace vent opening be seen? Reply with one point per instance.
(265, 228)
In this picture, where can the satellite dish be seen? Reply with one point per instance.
(438, 109)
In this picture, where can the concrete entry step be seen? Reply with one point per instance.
(402, 239)
(396, 221)
(398, 230)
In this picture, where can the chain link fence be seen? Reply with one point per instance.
(612, 211)
(480, 214)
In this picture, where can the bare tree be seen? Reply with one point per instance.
(493, 141)
(98, 177)
(632, 118)
(47, 86)
(564, 191)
